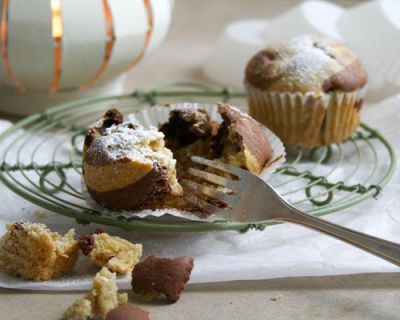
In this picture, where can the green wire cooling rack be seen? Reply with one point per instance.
(41, 162)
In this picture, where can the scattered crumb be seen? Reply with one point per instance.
(103, 298)
(117, 254)
(40, 214)
(157, 275)
(276, 297)
(243, 300)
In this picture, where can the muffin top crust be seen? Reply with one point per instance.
(306, 64)
(126, 166)
(125, 141)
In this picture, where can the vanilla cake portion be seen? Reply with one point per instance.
(127, 166)
(115, 253)
(32, 251)
(103, 298)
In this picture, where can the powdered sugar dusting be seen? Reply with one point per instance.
(307, 59)
(128, 140)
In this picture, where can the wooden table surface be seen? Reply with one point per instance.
(195, 27)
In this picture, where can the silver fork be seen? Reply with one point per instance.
(247, 198)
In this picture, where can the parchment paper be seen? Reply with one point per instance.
(279, 251)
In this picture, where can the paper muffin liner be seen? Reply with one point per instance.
(305, 119)
(157, 115)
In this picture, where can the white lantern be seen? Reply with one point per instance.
(57, 50)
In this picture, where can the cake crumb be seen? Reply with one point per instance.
(117, 254)
(157, 275)
(103, 298)
(40, 214)
(31, 251)
(276, 297)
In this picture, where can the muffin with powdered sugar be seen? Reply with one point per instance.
(308, 90)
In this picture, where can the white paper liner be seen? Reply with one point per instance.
(260, 95)
(157, 115)
(282, 112)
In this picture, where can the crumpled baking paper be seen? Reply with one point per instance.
(283, 250)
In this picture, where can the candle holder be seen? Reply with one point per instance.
(60, 50)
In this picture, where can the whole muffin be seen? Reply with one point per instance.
(308, 90)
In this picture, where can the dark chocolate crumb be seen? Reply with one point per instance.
(112, 116)
(86, 241)
(162, 275)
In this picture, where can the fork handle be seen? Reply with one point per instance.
(384, 249)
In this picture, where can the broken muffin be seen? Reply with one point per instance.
(32, 251)
(126, 166)
(117, 254)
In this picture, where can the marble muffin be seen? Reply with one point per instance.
(308, 90)
(238, 140)
(126, 166)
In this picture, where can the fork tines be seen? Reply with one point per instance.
(214, 192)
(234, 171)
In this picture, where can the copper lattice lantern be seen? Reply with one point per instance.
(57, 50)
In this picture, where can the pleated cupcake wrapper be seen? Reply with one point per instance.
(157, 115)
(305, 119)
